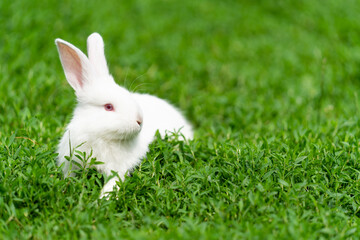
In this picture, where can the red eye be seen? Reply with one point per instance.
(109, 107)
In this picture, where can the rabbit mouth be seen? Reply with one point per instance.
(119, 135)
(128, 135)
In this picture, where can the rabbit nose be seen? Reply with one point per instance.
(139, 120)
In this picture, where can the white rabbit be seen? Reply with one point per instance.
(114, 124)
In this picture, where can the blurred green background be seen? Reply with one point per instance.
(271, 88)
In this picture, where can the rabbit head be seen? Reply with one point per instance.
(104, 110)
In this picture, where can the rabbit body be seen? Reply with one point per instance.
(116, 126)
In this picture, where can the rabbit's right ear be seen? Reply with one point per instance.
(75, 64)
(95, 48)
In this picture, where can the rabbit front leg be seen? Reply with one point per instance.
(109, 186)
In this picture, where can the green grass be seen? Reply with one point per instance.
(272, 88)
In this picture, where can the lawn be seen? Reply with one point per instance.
(271, 87)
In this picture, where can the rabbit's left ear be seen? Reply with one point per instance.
(96, 54)
(75, 64)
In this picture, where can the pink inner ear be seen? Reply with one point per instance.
(71, 64)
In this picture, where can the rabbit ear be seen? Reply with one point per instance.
(95, 48)
(75, 64)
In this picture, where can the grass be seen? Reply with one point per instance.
(272, 88)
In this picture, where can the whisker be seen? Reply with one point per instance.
(136, 79)
(127, 71)
(139, 85)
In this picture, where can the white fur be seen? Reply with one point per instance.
(114, 137)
